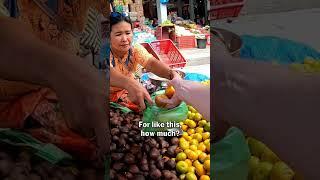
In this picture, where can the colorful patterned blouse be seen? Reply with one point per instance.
(128, 66)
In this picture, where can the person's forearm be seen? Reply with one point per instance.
(272, 103)
(119, 80)
(25, 58)
(158, 68)
(198, 96)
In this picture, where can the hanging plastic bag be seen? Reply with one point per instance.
(231, 156)
(156, 114)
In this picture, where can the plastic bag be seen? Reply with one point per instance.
(47, 152)
(231, 156)
(156, 114)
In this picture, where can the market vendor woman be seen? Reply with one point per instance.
(124, 62)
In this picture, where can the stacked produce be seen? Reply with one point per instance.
(193, 162)
(309, 65)
(265, 164)
(21, 165)
(136, 157)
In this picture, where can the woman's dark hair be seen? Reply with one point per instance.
(117, 17)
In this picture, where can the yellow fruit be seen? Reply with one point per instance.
(262, 171)
(191, 131)
(198, 152)
(184, 145)
(195, 163)
(182, 177)
(192, 109)
(194, 142)
(202, 147)
(281, 171)
(206, 165)
(202, 157)
(184, 135)
(269, 156)
(205, 135)
(191, 124)
(200, 169)
(197, 136)
(182, 167)
(199, 130)
(181, 123)
(191, 117)
(191, 169)
(208, 157)
(256, 147)
(197, 117)
(192, 155)
(206, 127)
(189, 113)
(207, 141)
(188, 138)
(208, 147)
(193, 147)
(202, 123)
(184, 127)
(187, 151)
(188, 161)
(181, 156)
(191, 176)
(204, 177)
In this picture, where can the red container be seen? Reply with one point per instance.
(168, 53)
(150, 50)
(225, 9)
(184, 42)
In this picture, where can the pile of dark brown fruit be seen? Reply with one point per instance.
(136, 157)
(16, 164)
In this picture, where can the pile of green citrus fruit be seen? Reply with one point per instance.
(193, 159)
(265, 164)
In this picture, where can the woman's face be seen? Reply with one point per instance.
(121, 37)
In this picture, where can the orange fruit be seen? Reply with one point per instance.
(159, 102)
(200, 169)
(169, 92)
(206, 165)
(204, 177)
(192, 155)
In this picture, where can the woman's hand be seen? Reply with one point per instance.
(137, 94)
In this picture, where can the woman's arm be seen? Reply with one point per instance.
(160, 69)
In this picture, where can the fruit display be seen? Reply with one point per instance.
(139, 157)
(309, 65)
(265, 164)
(193, 159)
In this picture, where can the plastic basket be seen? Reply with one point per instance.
(225, 9)
(168, 53)
(184, 42)
(150, 50)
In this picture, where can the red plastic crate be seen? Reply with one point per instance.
(184, 42)
(168, 53)
(226, 12)
(150, 49)
(225, 8)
